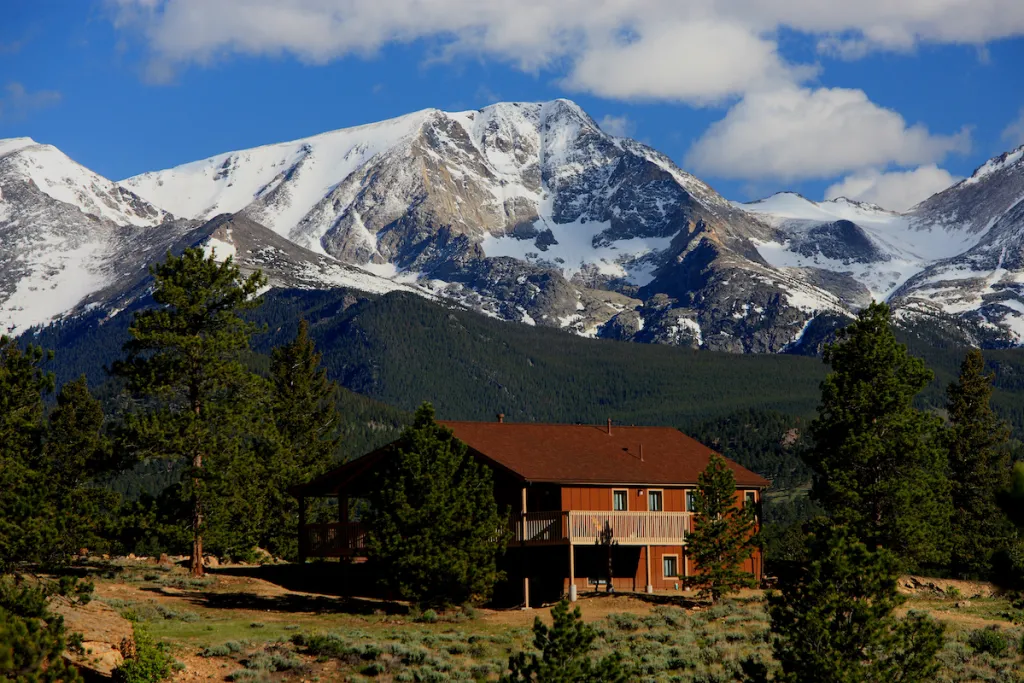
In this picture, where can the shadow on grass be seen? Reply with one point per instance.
(294, 603)
(336, 589)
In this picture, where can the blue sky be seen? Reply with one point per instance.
(753, 96)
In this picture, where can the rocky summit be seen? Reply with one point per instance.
(528, 212)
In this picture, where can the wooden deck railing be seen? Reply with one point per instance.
(585, 526)
(332, 540)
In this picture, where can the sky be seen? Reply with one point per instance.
(885, 101)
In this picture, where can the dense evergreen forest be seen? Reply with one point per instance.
(390, 353)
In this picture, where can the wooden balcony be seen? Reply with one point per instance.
(332, 540)
(583, 527)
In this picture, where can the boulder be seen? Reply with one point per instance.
(211, 561)
(107, 637)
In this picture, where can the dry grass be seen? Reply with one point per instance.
(245, 628)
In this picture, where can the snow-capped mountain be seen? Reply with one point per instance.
(71, 240)
(525, 211)
(64, 232)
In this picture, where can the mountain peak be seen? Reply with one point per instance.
(996, 164)
(12, 145)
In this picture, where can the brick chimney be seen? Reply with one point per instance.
(501, 417)
(609, 426)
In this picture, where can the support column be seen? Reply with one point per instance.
(647, 556)
(526, 565)
(572, 573)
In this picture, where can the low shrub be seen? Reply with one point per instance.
(989, 640)
(150, 664)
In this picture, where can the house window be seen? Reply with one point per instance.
(620, 500)
(654, 501)
(690, 501)
(669, 566)
(749, 499)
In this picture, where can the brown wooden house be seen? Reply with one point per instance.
(564, 484)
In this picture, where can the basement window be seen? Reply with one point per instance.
(669, 566)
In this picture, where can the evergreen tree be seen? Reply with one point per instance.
(32, 639)
(723, 535)
(75, 454)
(433, 528)
(979, 470)
(833, 620)
(26, 525)
(564, 653)
(879, 462)
(183, 356)
(307, 421)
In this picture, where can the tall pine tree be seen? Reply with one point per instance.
(76, 453)
(723, 535)
(879, 462)
(183, 357)
(26, 529)
(833, 619)
(979, 470)
(307, 421)
(434, 530)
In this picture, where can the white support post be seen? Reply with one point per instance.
(526, 576)
(572, 573)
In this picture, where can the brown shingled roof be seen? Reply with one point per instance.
(589, 454)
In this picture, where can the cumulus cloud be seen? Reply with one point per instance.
(691, 50)
(1014, 133)
(699, 52)
(895, 190)
(794, 133)
(17, 102)
(620, 126)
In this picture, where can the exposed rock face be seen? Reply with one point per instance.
(107, 637)
(528, 212)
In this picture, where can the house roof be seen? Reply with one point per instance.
(565, 454)
(590, 454)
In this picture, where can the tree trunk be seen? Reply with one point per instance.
(196, 562)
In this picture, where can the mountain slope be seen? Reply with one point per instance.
(64, 231)
(528, 211)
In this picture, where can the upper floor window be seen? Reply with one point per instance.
(620, 500)
(691, 501)
(749, 498)
(654, 501)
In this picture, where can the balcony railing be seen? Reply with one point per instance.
(585, 527)
(332, 540)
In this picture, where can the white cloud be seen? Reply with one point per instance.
(794, 133)
(895, 190)
(698, 61)
(1014, 133)
(16, 102)
(619, 126)
(690, 50)
(700, 52)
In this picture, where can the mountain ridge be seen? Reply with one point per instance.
(530, 212)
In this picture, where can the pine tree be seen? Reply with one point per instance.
(26, 529)
(32, 639)
(723, 535)
(879, 462)
(564, 653)
(307, 422)
(979, 470)
(76, 453)
(433, 528)
(183, 357)
(833, 620)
